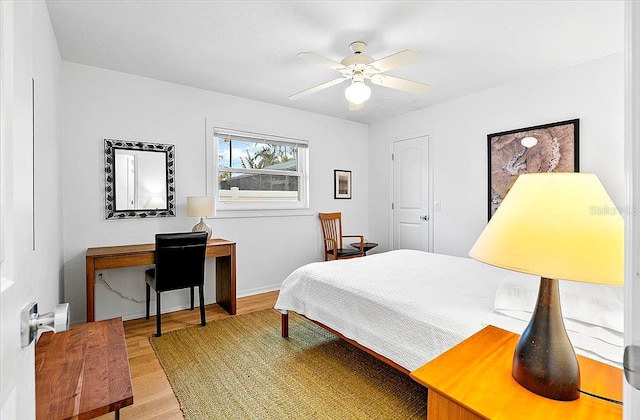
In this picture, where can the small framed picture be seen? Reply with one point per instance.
(342, 184)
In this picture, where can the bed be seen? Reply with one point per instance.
(407, 307)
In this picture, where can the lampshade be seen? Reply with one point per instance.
(199, 206)
(358, 92)
(556, 225)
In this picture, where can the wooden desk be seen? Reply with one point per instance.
(473, 381)
(84, 372)
(108, 257)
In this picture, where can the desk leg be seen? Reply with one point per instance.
(226, 281)
(91, 288)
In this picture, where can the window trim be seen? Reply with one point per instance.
(255, 209)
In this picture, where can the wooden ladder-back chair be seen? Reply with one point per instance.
(332, 238)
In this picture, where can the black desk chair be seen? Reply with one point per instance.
(179, 264)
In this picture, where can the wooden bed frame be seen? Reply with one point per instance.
(285, 334)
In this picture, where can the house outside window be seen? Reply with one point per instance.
(253, 171)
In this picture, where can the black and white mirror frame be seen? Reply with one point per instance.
(110, 147)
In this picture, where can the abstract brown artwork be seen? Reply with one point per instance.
(543, 148)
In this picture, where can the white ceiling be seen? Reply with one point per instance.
(248, 48)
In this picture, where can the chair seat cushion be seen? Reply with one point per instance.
(346, 252)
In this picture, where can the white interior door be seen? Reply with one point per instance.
(632, 217)
(411, 194)
(17, 375)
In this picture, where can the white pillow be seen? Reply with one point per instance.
(600, 333)
(591, 304)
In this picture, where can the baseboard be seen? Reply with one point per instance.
(258, 290)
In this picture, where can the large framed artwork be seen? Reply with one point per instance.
(342, 184)
(543, 148)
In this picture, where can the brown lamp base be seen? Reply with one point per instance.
(544, 361)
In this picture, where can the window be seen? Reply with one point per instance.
(258, 172)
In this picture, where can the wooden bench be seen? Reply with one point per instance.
(84, 372)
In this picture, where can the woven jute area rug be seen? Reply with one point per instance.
(241, 368)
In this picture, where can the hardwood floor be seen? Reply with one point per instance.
(152, 395)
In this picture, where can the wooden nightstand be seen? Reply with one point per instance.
(473, 381)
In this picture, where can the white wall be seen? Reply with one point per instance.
(48, 181)
(592, 92)
(101, 104)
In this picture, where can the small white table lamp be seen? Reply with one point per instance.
(200, 207)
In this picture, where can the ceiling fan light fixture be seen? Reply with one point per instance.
(358, 67)
(358, 92)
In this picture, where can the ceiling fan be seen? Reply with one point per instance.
(358, 67)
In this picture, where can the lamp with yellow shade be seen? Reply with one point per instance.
(557, 226)
(200, 207)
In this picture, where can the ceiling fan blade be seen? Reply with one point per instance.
(396, 60)
(320, 59)
(400, 84)
(355, 107)
(318, 88)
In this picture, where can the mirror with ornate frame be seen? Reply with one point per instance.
(139, 179)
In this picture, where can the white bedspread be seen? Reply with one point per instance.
(409, 306)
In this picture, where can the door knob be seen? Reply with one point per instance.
(424, 217)
(631, 365)
(31, 322)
